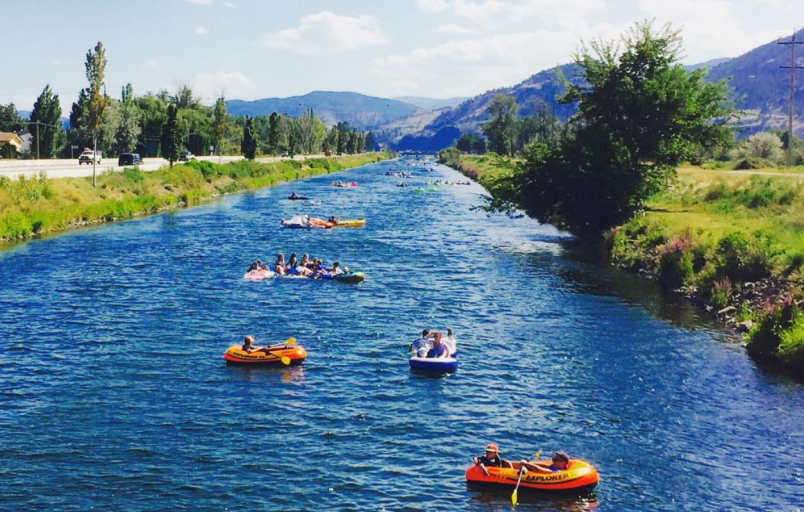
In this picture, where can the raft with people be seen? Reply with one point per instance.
(283, 354)
(306, 268)
(344, 184)
(306, 222)
(579, 477)
(434, 353)
(294, 197)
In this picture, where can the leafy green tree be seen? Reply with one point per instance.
(351, 142)
(97, 100)
(152, 119)
(171, 135)
(763, 145)
(107, 135)
(79, 134)
(479, 146)
(343, 131)
(128, 129)
(500, 130)
(184, 99)
(249, 144)
(371, 142)
(274, 132)
(220, 124)
(10, 120)
(45, 125)
(639, 115)
(292, 143)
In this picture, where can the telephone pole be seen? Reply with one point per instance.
(792, 67)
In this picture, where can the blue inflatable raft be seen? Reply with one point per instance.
(433, 365)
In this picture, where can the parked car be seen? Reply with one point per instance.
(88, 156)
(186, 156)
(129, 159)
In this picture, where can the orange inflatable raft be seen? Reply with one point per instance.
(277, 355)
(579, 477)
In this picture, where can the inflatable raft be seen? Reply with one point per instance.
(433, 365)
(259, 275)
(351, 277)
(299, 222)
(579, 477)
(293, 355)
(298, 198)
(350, 223)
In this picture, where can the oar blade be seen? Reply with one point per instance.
(514, 497)
(286, 360)
(290, 341)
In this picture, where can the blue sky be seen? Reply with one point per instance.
(251, 49)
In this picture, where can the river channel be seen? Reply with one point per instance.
(114, 394)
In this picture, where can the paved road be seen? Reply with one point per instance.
(72, 169)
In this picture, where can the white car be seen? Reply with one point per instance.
(88, 156)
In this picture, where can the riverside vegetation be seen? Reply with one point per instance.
(730, 241)
(32, 207)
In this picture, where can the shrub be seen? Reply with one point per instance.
(133, 174)
(676, 261)
(765, 337)
(741, 258)
(720, 294)
(791, 344)
(745, 164)
(764, 145)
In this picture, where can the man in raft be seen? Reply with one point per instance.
(440, 350)
(491, 460)
(560, 462)
(248, 344)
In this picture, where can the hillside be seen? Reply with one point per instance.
(757, 77)
(431, 103)
(358, 110)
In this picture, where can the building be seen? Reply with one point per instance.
(10, 145)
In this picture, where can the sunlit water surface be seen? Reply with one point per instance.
(114, 394)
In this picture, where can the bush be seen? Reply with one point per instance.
(791, 344)
(676, 261)
(763, 146)
(720, 294)
(741, 258)
(133, 174)
(766, 336)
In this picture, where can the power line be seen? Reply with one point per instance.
(792, 67)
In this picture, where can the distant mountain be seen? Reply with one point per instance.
(539, 91)
(431, 103)
(708, 64)
(764, 87)
(358, 110)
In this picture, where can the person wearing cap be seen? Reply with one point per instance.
(422, 346)
(491, 460)
(560, 462)
(248, 344)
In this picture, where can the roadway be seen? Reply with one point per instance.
(13, 169)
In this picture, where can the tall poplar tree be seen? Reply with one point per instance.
(45, 125)
(249, 145)
(128, 130)
(171, 135)
(219, 125)
(98, 101)
(274, 131)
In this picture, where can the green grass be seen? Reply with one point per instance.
(30, 207)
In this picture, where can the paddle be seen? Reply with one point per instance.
(285, 359)
(514, 496)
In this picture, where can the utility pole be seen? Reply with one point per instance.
(792, 67)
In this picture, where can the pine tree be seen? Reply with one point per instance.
(371, 143)
(171, 135)
(45, 125)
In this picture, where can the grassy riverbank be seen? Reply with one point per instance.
(733, 242)
(31, 207)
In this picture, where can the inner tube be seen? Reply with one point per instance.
(579, 477)
(433, 365)
(269, 356)
(258, 275)
(351, 277)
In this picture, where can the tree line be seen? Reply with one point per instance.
(164, 124)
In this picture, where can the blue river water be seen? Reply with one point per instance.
(114, 394)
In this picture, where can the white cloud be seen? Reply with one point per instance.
(327, 32)
(151, 63)
(566, 13)
(453, 29)
(229, 5)
(236, 85)
(200, 2)
(201, 31)
(711, 28)
(432, 5)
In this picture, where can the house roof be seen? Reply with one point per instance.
(9, 137)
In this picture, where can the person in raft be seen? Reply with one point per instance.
(491, 460)
(248, 344)
(422, 346)
(440, 350)
(560, 462)
(279, 266)
(293, 195)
